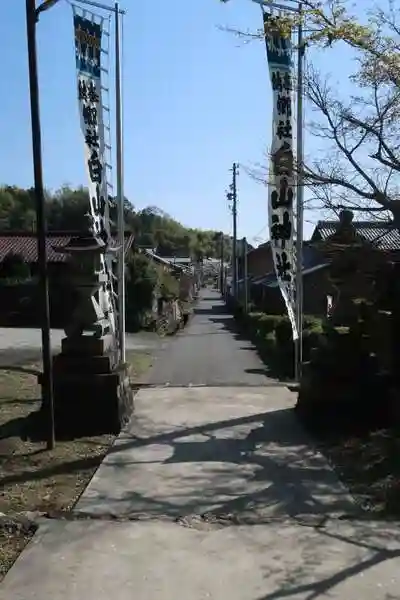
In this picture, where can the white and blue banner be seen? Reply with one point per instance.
(282, 181)
(88, 29)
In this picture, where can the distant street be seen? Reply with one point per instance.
(209, 352)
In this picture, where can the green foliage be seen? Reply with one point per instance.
(14, 268)
(156, 229)
(272, 336)
(168, 285)
(17, 208)
(141, 281)
(66, 211)
(359, 125)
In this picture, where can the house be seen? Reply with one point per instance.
(166, 262)
(259, 261)
(356, 249)
(21, 304)
(183, 271)
(381, 235)
(24, 244)
(266, 294)
(181, 261)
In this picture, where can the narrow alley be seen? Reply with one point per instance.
(213, 491)
(208, 352)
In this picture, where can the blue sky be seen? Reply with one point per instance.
(196, 99)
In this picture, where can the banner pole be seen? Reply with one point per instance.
(101, 6)
(41, 229)
(120, 190)
(300, 202)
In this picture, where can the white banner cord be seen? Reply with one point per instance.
(89, 34)
(282, 180)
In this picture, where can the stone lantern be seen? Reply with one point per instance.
(92, 392)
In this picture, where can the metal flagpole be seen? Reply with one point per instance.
(300, 201)
(102, 6)
(296, 7)
(120, 188)
(32, 14)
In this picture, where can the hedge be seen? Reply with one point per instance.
(272, 336)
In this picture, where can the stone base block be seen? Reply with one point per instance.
(97, 365)
(87, 345)
(91, 403)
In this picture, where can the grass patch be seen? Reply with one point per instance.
(31, 477)
(369, 465)
(138, 363)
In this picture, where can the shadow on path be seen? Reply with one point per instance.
(374, 545)
(273, 366)
(252, 469)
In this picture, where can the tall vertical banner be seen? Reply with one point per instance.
(282, 182)
(88, 39)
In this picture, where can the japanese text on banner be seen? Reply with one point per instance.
(88, 35)
(281, 189)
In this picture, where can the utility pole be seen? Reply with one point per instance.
(245, 277)
(120, 188)
(232, 196)
(222, 260)
(32, 15)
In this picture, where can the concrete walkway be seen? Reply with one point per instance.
(209, 352)
(212, 492)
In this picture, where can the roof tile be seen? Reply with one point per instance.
(384, 236)
(25, 244)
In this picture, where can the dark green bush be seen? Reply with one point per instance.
(262, 324)
(141, 280)
(283, 333)
(272, 334)
(14, 268)
(168, 285)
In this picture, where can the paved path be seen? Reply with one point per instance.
(212, 492)
(208, 352)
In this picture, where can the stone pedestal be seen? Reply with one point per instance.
(92, 392)
(91, 389)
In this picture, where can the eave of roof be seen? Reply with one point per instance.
(384, 236)
(25, 244)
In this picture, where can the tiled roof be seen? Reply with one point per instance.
(163, 260)
(312, 261)
(25, 244)
(262, 247)
(271, 281)
(179, 260)
(384, 236)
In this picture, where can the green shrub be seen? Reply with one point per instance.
(272, 335)
(14, 268)
(262, 324)
(283, 333)
(141, 280)
(312, 324)
(168, 285)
